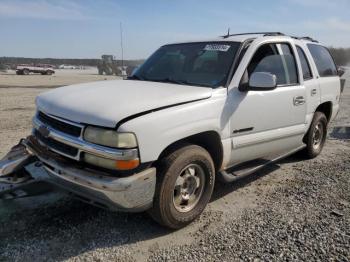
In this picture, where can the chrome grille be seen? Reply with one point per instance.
(56, 146)
(66, 138)
(59, 125)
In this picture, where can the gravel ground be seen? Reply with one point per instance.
(290, 211)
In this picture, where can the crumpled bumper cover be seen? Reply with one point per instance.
(132, 193)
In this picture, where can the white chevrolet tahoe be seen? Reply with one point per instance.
(194, 112)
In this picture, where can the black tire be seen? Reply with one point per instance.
(49, 72)
(314, 143)
(25, 71)
(165, 210)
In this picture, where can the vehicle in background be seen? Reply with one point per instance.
(108, 65)
(44, 69)
(192, 113)
(68, 67)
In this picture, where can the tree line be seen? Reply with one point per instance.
(340, 55)
(13, 61)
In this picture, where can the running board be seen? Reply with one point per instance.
(229, 177)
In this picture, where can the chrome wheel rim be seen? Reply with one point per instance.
(317, 136)
(189, 187)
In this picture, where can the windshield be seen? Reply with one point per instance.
(202, 64)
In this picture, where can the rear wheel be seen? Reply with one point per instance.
(25, 71)
(49, 72)
(316, 136)
(185, 182)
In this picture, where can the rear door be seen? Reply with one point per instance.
(310, 79)
(267, 123)
(328, 78)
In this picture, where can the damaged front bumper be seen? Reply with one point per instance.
(28, 165)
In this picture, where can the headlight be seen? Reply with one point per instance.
(111, 164)
(109, 138)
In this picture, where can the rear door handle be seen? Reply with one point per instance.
(298, 100)
(313, 92)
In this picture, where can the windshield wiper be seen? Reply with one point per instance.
(181, 82)
(135, 77)
(167, 80)
(170, 80)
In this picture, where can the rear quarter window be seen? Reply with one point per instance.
(323, 60)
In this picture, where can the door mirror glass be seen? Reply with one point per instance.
(261, 81)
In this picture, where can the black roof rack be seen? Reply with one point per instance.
(254, 33)
(305, 38)
(270, 34)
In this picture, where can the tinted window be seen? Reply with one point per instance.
(268, 59)
(323, 60)
(286, 49)
(304, 64)
(289, 63)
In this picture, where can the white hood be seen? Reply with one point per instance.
(105, 103)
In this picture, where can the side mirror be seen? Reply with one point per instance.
(260, 81)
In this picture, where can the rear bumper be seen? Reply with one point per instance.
(133, 193)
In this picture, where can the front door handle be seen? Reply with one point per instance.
(313, 92)
(298, 100)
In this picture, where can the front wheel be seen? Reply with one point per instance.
(185, 182)
(316, 136)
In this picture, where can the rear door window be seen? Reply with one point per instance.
(305, 66)
(323, 60)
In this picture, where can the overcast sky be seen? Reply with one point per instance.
(89, 28)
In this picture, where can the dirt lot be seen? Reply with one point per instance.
(291, 211)
(60, 78)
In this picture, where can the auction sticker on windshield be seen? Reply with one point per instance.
(216, 47)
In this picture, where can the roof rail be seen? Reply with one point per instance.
(305, 38)
(254, 33)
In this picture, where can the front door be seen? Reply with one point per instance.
(272, 122)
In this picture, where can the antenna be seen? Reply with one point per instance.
(228, 32)
(121, 44)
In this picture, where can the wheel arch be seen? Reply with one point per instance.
(209, 140)
(326, 108)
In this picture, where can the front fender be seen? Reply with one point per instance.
(157, 130)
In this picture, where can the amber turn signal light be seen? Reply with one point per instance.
(127, 164)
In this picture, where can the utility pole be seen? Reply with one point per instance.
(121, 44)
